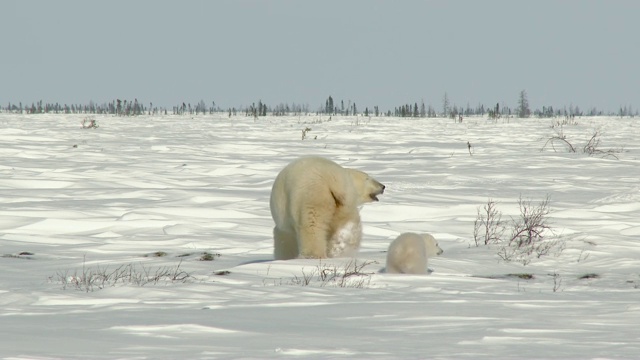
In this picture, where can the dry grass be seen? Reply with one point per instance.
(349, 275)
(97, 278)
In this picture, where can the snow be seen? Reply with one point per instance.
(76, 201)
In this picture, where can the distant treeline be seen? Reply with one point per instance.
(119, 107)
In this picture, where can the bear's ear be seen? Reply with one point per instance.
(338, 198)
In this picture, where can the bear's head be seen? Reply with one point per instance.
(431, 245)
(368, 187)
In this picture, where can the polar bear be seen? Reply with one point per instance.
(314, 204)
(408, 253)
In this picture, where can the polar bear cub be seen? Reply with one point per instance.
(409, 252)
(315, 207)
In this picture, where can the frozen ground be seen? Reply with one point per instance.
(75, 202)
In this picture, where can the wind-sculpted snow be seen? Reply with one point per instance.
(151, 238)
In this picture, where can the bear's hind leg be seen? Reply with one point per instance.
(312, 238)
(285, 246)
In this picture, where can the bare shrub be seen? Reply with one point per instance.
(207, 256)
(530, 235)
(532, 224)
(304, 132)
(561, 138)
(89, 123)
(557, 281)
(488, 226)
(591, 148)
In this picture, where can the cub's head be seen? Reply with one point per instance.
(431, 245)
(368, 187)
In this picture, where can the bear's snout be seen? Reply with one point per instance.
(374, 195)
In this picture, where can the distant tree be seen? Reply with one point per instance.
(577, 111)
(328, 109)
(623, 111)
(201, 107)
(137, 107)
(453, 113)
(523, 105)
(445, 105)
(423, 109)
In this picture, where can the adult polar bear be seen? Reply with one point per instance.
(314, 204)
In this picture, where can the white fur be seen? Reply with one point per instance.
(409, 252)
(314, 204)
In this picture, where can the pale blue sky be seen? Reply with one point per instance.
(384, 53)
